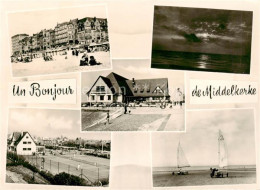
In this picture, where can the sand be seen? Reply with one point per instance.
(202, 177)
(60, 65)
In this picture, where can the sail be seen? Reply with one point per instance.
(222, 151)
(181, 158)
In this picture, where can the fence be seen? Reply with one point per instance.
(90, 172)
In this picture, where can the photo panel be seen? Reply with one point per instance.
(218, 148)
(59, 40)
(132, 97)
(200, 39)
(131, 161)
(46, 147)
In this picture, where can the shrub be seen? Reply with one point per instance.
(101, 182)
(48, 176)
(67, 179)
(29, 166)
(104, 181)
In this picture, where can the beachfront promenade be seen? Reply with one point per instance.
(137, 119)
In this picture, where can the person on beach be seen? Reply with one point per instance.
(108, 116)
(213, 171)
(77, 53)
(73, 53)
(92, 61)
(84, 60)
(178, 97)
(125, 106)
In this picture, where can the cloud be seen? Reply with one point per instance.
(44, 122)
(228, 32)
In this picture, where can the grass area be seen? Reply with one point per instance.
(20, 174)
(88, 117)
(127, 122)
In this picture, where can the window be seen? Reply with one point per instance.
(109, 97)
(29, 149)
(158, 90)
(100, 89)
(102, 97)
(92, 97)
(29, 142)
(24, 148)
(27, 137)
(24, 142)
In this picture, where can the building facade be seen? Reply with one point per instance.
(117, 89)
(22, 144)
(84, 32)
(16, 43)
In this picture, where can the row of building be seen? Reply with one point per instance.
(23, 143)
(80, 32)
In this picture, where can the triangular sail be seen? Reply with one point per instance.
(222, 151)
(181, 158)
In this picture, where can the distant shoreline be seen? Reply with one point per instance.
(203, 168)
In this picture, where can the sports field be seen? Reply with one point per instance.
(90, 168)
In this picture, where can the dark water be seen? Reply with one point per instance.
(200, 62)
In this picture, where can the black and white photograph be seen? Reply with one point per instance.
(199, 39)
(59, 40)
(218, 148)
(46, 147)
(131, 163)
(132, 97)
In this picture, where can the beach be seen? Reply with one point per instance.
(60, 65)
(202, 177)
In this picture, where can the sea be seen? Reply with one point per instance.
(200, 62)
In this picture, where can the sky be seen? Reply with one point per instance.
(50, 123)
(200, 143)
(132, 148)
(31, 22)
(202, 30)
(138, 69)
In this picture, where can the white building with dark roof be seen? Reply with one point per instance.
(118, 89)
(22, 143)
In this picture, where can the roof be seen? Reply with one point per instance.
(140, 88)
(15, 136)
(19, 35)
(118, 82)
(147, 87)
(91, 19)
(108, 83)
(18, 136)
